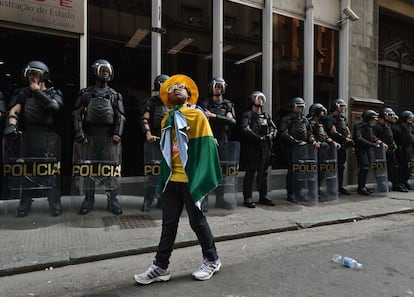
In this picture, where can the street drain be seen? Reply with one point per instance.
(129, 222)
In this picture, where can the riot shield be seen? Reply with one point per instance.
(328, 173)
(378, 163)
(31, 165)
(152, 159)
(305, 174)
(96, 166)
(226, 192)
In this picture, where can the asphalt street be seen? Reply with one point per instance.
(294, 263)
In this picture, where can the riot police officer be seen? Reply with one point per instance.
(365, 139)
(337, 127)
(154, 111)
(220, 113)
(404, 137)
(383, 130)
(33, 112)
(295, 130)
(99, 114)
(317, 113)
(260, 131)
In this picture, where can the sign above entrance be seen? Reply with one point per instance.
(64, 15)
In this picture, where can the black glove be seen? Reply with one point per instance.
(80, 137)
(11, 131)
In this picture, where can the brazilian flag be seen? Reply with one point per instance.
(198, 150)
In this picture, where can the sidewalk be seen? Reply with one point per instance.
(40, 241)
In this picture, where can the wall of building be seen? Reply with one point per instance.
(363, 81)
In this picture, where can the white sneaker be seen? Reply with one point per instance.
(207, 269)
(153, 274)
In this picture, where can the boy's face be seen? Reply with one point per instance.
(177, 94)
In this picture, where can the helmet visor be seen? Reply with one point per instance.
(259, 97)
(218, 85)
(32, 71)
(104, 71)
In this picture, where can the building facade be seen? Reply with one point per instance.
(316, 49)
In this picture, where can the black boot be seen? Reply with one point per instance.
(263, 198)
(87, 205)
(55, 207)
(24, 207)
(113, 205)
(146, 206)
(266, 200)
(149, 195)
(221, 202)
(248, 202)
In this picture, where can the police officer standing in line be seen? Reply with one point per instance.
(33, 111)
(99, 112)
(154, 111)
(295, 130)
(220, 113)
(365, 139)
(316, 114)
(260, 131)
(337, 127)
(383, 130)
(404, 137)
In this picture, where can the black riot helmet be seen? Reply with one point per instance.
(257, 95)
(406, 116)
(336, 104)
(103, 70)
(368, 115)
(388, 114)
(35, 66)
(159, 80)
(297, 101)
(317, 109)
(217, 81)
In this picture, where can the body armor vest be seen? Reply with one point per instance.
(368, 133)
(158, 112)
(319, 131)
(388, 136)
(259, 123)
(342, 126)
(99, 110)
(298, 128)
(34, 113)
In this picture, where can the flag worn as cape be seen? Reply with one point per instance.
(198, 151)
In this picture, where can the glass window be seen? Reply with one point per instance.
(242, 53)
(187, 45)
(326, 61)
(287, 62)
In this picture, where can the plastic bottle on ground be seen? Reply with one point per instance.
(347, 261)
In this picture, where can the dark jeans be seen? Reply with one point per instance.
(174, 198)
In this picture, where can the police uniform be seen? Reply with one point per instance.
(337, 127)
(153, 112)
(383, 130)
(37, 120)
(364, 139)
(294, 130)
(259, 131)
(404, 137)
(99, 114)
